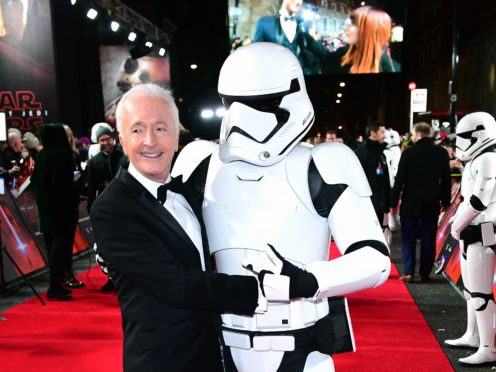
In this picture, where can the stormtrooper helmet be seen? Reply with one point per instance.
(392, 138)
(267, 107)
(474, 133)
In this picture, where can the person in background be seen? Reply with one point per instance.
(79, 185)
(290, 31)
(473, 226)
(101, 170)
(32, 144)
(95, 146)
(392, 154)
(424, 185)
(57, 200)
(12, 156)
(331, 136)
(373, 161)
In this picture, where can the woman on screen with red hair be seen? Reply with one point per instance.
(367, 35)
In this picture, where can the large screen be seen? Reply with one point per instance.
(28, 94)
(328, 37)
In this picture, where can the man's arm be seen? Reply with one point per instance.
(399, 182)
(136, 254)
(259, 34)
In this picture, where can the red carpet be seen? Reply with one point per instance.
(391, 333)
(85, 335)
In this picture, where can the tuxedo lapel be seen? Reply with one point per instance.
(151, 204)
(280, 36)
(195, 202)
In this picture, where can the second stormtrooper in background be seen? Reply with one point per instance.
(261, 187)
(393, 155)
(473, 225)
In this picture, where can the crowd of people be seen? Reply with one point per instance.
(62, 171)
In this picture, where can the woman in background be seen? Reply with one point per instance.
(366, 35)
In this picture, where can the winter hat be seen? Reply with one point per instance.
(95, 128)
(103, 130)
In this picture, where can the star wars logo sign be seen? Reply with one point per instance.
(22, 109)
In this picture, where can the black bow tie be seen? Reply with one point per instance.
(292, 18)
(175, 185)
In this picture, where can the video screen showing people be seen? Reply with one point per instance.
(328, 37)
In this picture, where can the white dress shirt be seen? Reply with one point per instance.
(177, 205)
(289, 28)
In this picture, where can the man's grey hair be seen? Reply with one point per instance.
(148, 90)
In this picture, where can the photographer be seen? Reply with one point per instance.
(12, 156)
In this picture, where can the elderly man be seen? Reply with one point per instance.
(152, 239)
(12, 155)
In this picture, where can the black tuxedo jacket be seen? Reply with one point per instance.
(170, 306)
(309, 52)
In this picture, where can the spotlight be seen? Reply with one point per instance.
(338, 101)
(161, 52)
(342, 84)
(207, 114)
(220, 112)
(114, 26)
(73, 2)
(339, 95)
(193, 66)
(149, 44)
(92, 13)
(132, 36)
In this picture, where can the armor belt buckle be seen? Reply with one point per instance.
(274, 343)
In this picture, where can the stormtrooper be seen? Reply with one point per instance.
(271, 205)
(473, 226)
(392, 154)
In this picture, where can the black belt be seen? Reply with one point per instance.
(331, 334)
(471, 234)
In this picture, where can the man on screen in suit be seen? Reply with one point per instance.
(157, 255)
(290, 31)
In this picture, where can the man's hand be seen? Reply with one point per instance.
(301, 282)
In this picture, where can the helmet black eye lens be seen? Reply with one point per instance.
(468, 134)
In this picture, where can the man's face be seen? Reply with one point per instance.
(15, 142)
(415, 136)
(379, 135)
(330, 137)
(106, 143)
(149, 136)
(292, 6)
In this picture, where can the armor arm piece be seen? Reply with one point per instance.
(190, 157)
(338, 164)
(363, 268)
(484, 184)
(354, 226)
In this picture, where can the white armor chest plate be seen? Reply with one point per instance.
(246, 207)
(469, 184)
